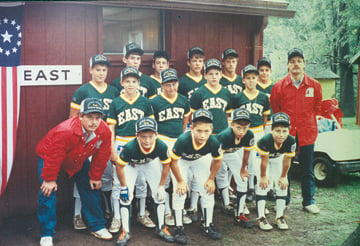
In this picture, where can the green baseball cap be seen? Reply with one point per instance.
(146, 124)
(203, 114)
(91, 105)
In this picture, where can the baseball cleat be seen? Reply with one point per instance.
(193, 214)
(123, 238)
(264, 224)
(242, 221)
(179, 235)
(115, 225)
(281, 223)
(186, 219)
(165, 234)
(78, 223)
(211, 231)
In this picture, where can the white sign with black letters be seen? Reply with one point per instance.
(33, 75)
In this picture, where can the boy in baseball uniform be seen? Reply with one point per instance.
(124, 111)
(236, 137)
(257, 103)
(190, 153)
(193, 79)
(142, 155)
(276, 149)
(171, 111)
(230, 80)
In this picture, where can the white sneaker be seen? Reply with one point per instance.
(46, 241)
(146, 221)
(115, 225)
(281, 223)
(246, 210)
(186, 219)
(264, 224)
(313, 209)
(79, 223)
(103, 234)
(169, 220)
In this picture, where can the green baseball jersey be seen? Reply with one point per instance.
(186, 148)
(157, 84)
(146, 89)
(230, 144)
(170, 114)
(134, 153)
(267, 90)
(234, 85)
(258, 106)
(124, 114)
(266, 146)
(219, 103)
(88, 90)
(188, 85)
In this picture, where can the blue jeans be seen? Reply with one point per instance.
(306, 157)
(90, 199)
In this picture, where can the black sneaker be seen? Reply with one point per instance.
(179, 235)
(211, 231)
(165, 234)
(242, 221)
(193, 214)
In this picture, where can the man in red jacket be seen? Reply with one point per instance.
(67, 147)
(300, 97)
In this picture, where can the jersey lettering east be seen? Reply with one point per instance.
(129, 115)
(253, 108)
(171, 113)
(234, 88)
(214, 103)
(107, 102)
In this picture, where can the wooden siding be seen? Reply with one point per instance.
(67, 34)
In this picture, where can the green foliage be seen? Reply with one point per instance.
(320, 27)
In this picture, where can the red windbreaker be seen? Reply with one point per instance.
(64, 147)
(302, 105)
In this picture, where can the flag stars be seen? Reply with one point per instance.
(7, 53)
(13, 22)
(6, 37)
(19, 34)
(5, 20)
(18, 43)
(14, 50)
(18, 27)
(1, 50)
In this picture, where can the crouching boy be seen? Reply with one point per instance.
(139, 156)
(275, 149)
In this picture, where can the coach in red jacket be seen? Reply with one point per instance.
(300, 97)
(67, 147)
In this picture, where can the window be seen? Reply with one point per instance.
(126, 25)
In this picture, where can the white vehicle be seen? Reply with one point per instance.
(336, 152)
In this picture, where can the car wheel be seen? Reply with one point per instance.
(324, 172)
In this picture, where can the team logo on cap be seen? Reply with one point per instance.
(129, 70)
(100, 58)
(212, 63)
(168, 74)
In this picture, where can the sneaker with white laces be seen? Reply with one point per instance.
(79, 223)
(115, 225)
(193, 214)
(264, 224)
(312, 209)
(103, 234)
(281, 223)
(46, 241)
(123, 238)
(186, 219)
(169, 220)
(145, 221)
(165, 234)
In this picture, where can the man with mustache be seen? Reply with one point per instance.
(300, 97)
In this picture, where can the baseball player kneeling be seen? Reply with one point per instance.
(141, 156)
(190, 153)
(275, 149)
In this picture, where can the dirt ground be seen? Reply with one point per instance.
(332, 226)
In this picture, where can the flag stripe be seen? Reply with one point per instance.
(4, 128)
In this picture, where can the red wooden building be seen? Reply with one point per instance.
(69, 33)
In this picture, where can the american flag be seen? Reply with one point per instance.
(10, 56)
